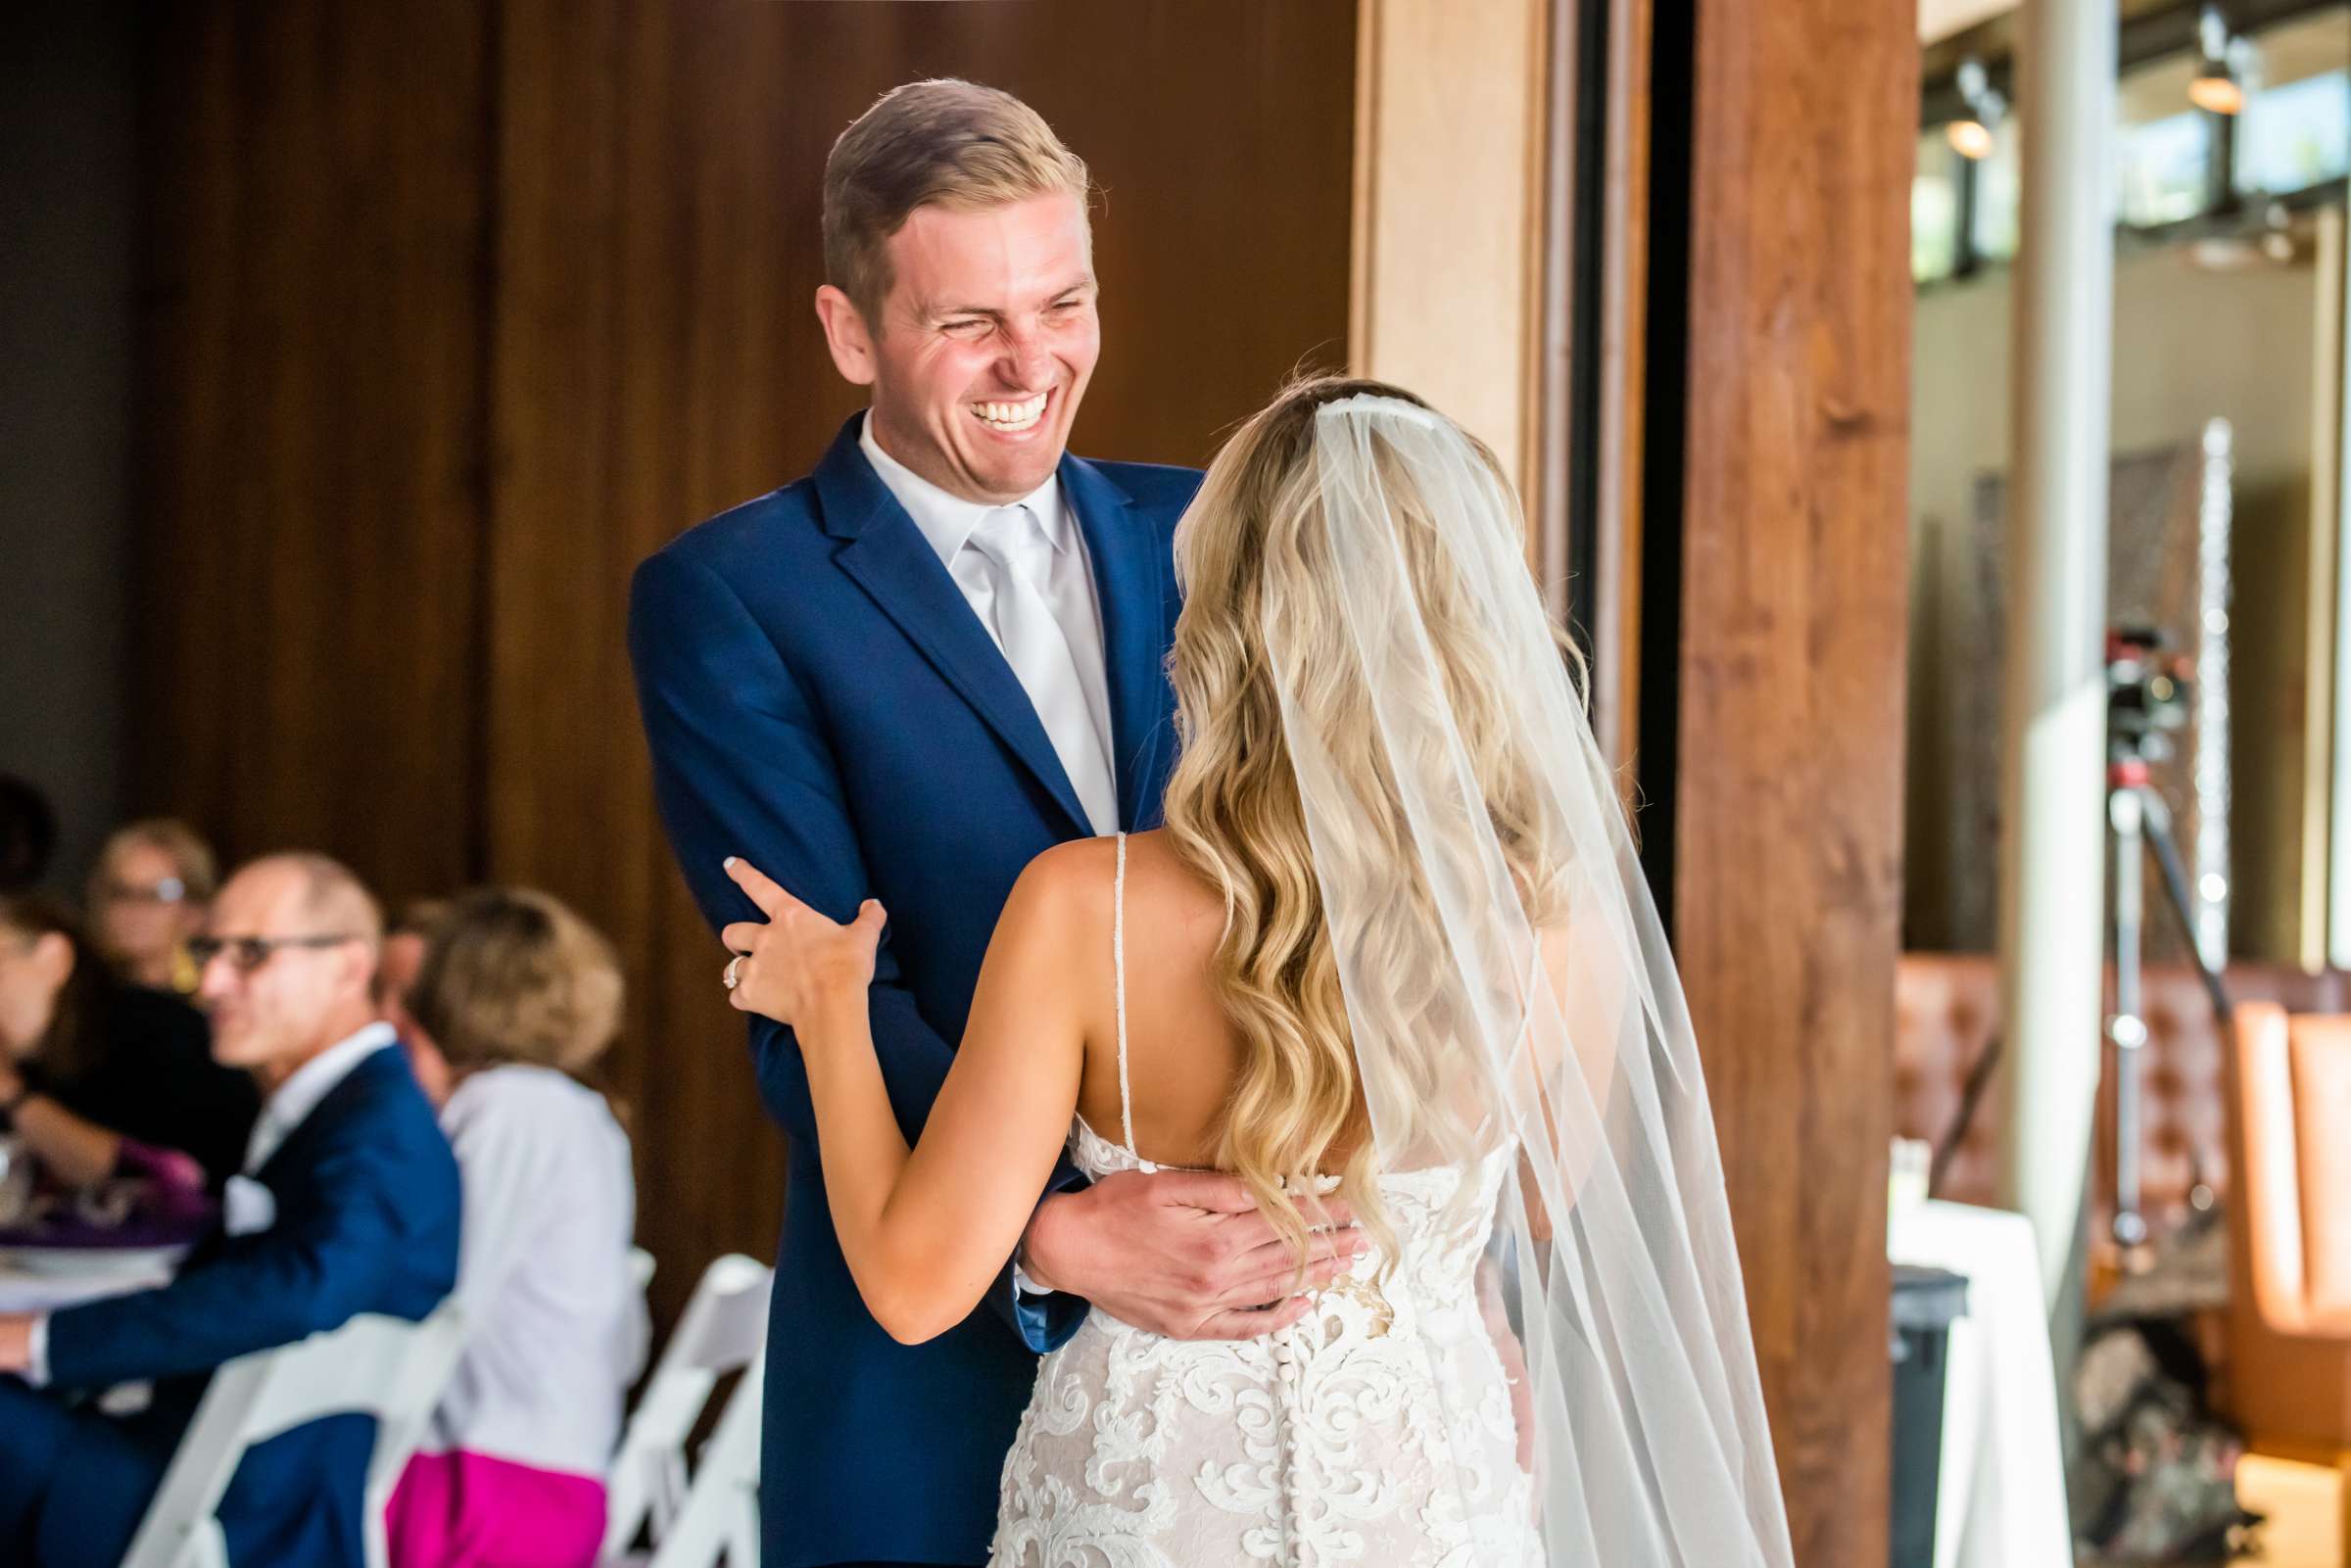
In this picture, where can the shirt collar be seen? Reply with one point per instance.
(307, 1085)
(946, 520)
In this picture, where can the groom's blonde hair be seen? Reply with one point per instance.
(943, 143)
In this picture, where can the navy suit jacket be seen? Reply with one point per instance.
(367, 1208)
(820, 699)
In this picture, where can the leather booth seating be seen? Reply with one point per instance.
(2289, 1355)
(1947, 1011)
(2289, 1308)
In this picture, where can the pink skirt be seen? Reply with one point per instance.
(468, 1511)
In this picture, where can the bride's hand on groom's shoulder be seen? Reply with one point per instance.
(796, 966)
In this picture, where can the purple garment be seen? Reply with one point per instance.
(156, 1198)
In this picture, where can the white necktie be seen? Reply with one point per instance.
(998, 568)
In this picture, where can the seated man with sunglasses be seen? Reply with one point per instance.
(348, 1204)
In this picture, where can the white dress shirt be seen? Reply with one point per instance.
(555, 1323)
(1057, 565)
(246, 1206)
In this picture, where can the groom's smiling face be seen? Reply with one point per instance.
(987, 339)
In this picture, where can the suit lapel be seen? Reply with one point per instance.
(321, 1116)
(889, 557)
(1130, 573)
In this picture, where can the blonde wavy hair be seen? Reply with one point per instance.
(1257, 535)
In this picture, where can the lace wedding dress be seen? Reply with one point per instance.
(1376, 1431)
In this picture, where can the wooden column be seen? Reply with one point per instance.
(1786, 815)
(1620, 384)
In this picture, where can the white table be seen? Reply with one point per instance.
(2001, 1499)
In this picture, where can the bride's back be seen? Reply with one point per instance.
(1183, 1053)
(1377, 1427)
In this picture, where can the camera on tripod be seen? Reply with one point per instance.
(2147, 686)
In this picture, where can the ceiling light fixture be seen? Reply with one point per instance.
(1971, 137)
(2219, 88)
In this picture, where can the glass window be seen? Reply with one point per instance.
(2296, 128)
(1999, 195)
(2296, 136)
(2163, 146)
(1935, 209)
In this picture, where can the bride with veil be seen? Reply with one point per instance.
(1392, 946)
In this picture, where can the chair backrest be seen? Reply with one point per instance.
(386, 1367)
(723, 1330)
(2293, 1090)
(720, 1517)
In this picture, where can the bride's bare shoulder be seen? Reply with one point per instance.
(1070, 879)
(1075, 880)
(1162, 884)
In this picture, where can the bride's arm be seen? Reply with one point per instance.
(1582, 1019)
(925, 1231)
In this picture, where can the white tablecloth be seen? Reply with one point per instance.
(24, 1290)
(2001, 1500)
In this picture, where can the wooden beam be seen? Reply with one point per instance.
(1788, 803)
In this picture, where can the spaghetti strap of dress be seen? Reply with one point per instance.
(1118, 959)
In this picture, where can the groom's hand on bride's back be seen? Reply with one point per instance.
(1181, 1252)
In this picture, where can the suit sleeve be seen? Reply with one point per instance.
(741, 766)
(328, 1257)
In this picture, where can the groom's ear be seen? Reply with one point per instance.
(846, 334)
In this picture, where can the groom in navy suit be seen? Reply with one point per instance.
(903, 678)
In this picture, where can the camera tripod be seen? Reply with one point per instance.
(2138, 819)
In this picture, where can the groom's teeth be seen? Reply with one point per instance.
(1012, 415)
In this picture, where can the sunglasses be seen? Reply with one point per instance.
(250, 953)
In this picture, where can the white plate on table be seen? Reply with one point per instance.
(94, 1262)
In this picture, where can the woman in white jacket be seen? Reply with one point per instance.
(518, 999)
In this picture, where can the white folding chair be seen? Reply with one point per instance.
(721, 1515)
(386, 1367)
(723, 1330)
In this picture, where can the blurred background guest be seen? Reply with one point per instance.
(348, 1204)
(147, 896)
(405, 941)
(516, 999)
(88, 1062)
(27, 835)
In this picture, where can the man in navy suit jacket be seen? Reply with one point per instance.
(348, 1205)
(904, 677)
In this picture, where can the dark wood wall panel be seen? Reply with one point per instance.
(311, 517)
(1788, 810)
(658, 358)
(458, 312)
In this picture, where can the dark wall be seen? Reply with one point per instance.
(458, 310)
(68, 198)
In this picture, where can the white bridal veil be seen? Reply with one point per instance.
(1514, 1002)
